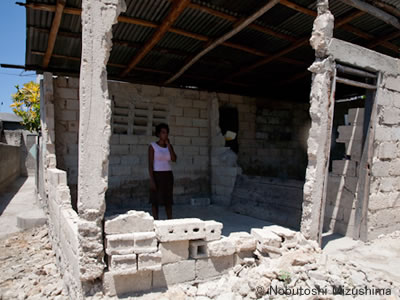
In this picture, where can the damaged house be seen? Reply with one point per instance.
(311, 90)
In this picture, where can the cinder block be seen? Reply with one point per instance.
(119, 170)
(198, 249)
(243, 241)
(72, 105)
(179, 229)
(190, 112)
(128, 139)
(265, 237)
(66, 93)
(123, 262)
(182, 140)
(151, 90)
(149, 261)
(68, 115)
(117, 284)
(73, 82)
(213, 266)
(119, 149)
(200, 103)
(145, 242)
(387, 150)
(199, 141)
(174, 251)
(204, 132)
(181, 102)
(130, 243)
(344, 167)
(189, 131)
(213, 230)
(200, 123)
(191, 94)
(173, 273)
(222, 247)
(132, 221)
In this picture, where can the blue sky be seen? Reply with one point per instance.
(12, 51)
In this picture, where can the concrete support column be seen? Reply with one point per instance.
(98, 18)
(321, 112)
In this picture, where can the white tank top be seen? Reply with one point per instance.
(162, 158)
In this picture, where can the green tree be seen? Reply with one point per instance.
(26, 104)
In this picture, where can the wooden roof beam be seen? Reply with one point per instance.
(238, 26)
(300, 43)
(387, 7)
(129, 20)
(55, 26)
(176, 10)
(256, 27)
(374, 11)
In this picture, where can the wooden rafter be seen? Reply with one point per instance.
(299, 43)
(177, 52)
(53, 32)
(199, 37)
(342, 23)
(374, 11)
(235, 19)
(121, 66)
(176, 10)
(238, 26)
(387, 7)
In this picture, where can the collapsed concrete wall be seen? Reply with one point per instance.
(144, 254)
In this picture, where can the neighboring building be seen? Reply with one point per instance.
(10, 121)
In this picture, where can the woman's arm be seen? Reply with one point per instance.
(151, 169)
(171, 151)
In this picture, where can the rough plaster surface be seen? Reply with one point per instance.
(321, 114)
(94, 132)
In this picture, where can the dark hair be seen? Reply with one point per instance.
(161, 126)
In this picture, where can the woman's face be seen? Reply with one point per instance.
(163, 134)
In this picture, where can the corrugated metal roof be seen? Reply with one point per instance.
(220, 62)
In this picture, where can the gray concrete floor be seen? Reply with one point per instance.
(18, 198)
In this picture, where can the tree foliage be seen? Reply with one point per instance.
(26, 104)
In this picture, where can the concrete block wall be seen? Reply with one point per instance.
(63, 230)
(384, 198)
(137, 109)
(281, 135)
(9, 164)
(66, 117)
(341, 196)
(271, 199)
(272, 136)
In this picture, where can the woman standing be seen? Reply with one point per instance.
(161, 153)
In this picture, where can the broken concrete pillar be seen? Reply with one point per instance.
(321, 112)
(98, 18)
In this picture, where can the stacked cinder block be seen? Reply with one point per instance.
(384, 204)
(146, 254)
(342, 181)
